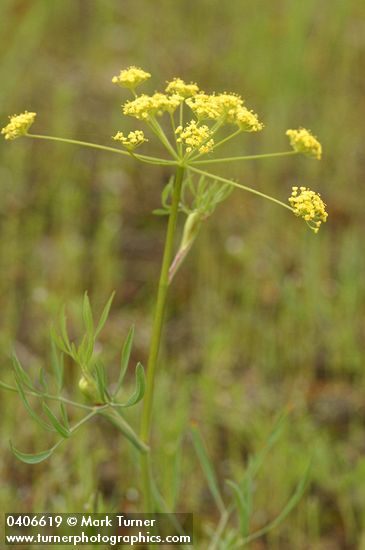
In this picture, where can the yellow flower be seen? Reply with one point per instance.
(18, 125)
(229, 105)
(178, 86)
(308, 205)
(195, 137)
(303, 141)
(145, 106)
(131, 77)
(133, 140)
(248, 120)
(205, 106)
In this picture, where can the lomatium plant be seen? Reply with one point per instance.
(191, 126)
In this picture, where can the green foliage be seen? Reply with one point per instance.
(225, 535)
(93, 383)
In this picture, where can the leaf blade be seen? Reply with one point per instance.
(31, 458)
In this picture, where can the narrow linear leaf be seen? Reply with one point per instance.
(43, 380)
(31, 458)
(290, 505)
(59, 427)
(258, 460)
(57, 364)
(57, 340)
(64, 416)
(126, 352)
(176, 476)
(242, 507)
(101, 381)
(22, 375)
(140, 387)
(28, 408)
(160, 212)
(88, 316)
(207, 468)
(64, 333)
(104, 316)
(85, 350)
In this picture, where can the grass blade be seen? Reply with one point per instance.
(207, 468)
(290, 505)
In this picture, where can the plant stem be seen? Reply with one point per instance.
(143, 158)
(247, 157)
(156, 336)
(240, 186)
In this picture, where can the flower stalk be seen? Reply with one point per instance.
(156, 335)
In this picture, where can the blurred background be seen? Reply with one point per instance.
(263, 314)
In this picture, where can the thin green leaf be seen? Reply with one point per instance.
(126, 352)
(22, 375)
(176, 477)
(104, 316)
(85, 350)
(257, 461)
(290, 505)
(59, 427)
(31, 458)
(207, 468)
(43, 380)
(27, 406)
(64, 416)
(64, 333)
(101, 382)
(57, 364)
(161, 212)
(58, 341)
(140, 387)
(242, 507)
(87, 315)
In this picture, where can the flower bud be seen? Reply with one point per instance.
(88, 387)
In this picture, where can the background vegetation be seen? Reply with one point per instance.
(263, 315)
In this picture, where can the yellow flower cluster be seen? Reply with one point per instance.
(308, 205)
(248, 120)
(18, 125)
(195, 137)
(178, 86)
(227, 108)
(303, 141)
(131, 77)
(204, 106)
(145, 106)
(133, 140)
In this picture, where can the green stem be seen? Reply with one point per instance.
(47, 396)
(240, 186)
(157, 129)
(146, 158)
(156, 336)
(247, 157)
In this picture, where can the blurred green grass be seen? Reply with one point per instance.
(263, 312)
